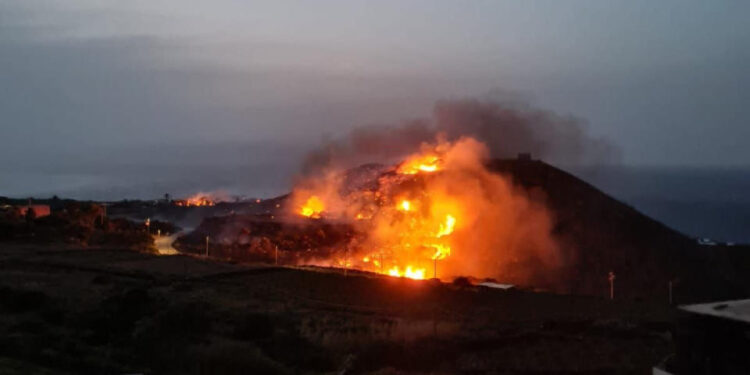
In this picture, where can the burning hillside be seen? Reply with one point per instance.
(374, 218)
(438, 213)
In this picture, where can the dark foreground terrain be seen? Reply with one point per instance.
(97, 311)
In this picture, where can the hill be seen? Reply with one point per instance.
(597, 233)
(601, 234)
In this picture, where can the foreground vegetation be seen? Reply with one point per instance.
(118, 311)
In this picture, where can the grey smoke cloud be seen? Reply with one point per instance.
(510, 128)
(507, 127)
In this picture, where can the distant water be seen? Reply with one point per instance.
(145, 182)
(699, 202)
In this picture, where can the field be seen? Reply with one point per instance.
(68, 310)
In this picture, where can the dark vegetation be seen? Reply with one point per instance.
(257, 237)
(94, 312)
(74, 223)
(187, 216)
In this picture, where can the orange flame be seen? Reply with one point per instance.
(442, 211)
(198, 200)
(312, 208)
(405, 205)
(425, 163)
(409, 272)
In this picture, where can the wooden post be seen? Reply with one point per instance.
(276, 255)
(611, 278)
(206, 246)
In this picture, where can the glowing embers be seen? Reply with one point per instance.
(421, 163)
(312, 208)
(195, 201)
(414, 234)
(403, 223)
(410, 272)
(438, 213)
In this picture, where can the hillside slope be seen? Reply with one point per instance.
(597, 234)
(600, 234)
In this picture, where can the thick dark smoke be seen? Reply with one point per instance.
(368, 144)
(506, 127)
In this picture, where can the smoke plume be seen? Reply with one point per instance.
(506, 127)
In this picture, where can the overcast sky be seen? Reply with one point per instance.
(130, 82)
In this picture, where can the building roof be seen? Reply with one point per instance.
(738, 310)
(489, 284)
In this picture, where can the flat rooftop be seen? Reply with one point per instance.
(738, 310)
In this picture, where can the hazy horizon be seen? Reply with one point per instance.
(128, 99)
(662, 80)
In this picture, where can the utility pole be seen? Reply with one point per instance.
(611, 278)
(206, 246)
(434, 268)
(276, 255)
(670, 292)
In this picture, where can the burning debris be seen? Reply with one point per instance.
(202, 199)
(195, 202)
(439, 213)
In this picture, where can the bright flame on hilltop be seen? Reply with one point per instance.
(196, 201)
(425, 163)
(442, 213)
(417, 274)
(312, 208)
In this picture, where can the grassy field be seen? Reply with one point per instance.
(107, 311)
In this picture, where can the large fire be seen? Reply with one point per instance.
(439, 213)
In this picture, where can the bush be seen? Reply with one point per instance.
(19, 301)
(253, 326)
(462, 282)
(116, 316)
